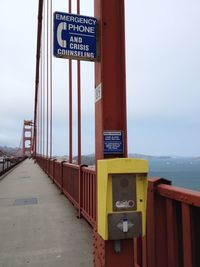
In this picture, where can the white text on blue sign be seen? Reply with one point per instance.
(75, 36)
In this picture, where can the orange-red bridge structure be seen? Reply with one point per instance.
(173, 214)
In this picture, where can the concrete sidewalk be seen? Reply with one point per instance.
(38, 226)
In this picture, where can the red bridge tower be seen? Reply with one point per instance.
(27, 138)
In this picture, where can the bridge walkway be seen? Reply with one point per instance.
(38, 226)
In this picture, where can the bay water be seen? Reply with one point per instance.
(183, 172)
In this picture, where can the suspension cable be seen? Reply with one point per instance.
(41, 88)
(79, 98)
(70, 101)
(47, 89)
(44, 81)
(41, 107)
(51, 77)
(38, 122)
(39, 31)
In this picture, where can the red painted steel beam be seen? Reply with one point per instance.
(110, 110)
(39, 34)
(151, 240)
(172, 234)
(110, 72)
(187, 241)
(180, 194)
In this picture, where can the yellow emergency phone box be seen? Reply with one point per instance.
(122, 196)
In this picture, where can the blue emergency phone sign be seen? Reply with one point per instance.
(113, 142)
(75, 36)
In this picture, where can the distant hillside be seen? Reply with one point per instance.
(90, 159)
(196, 158)
(143, 156)
(10, 151)
(87, 159)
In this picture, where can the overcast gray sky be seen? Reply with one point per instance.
(163, 76)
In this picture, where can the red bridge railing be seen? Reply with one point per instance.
(173, 226)
(173, 214)
(88, 194)
(76, 182)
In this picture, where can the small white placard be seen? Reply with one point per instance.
(98, 93)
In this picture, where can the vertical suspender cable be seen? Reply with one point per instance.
(38, 105)
(36, 128)
(39, 112)
(40, 11)
(41, 99)
(38, 115)
(51, 78)
(41, 107)
(79, 98)
(44, 81)
(47, 69)
(70, 101)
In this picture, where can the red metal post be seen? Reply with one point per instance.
(110, 74)
(154, 211)
(110, 109)
(172, 234)
(151, 243)
(187, 242)
(53, 170)
(144, 252)
(80, 181)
